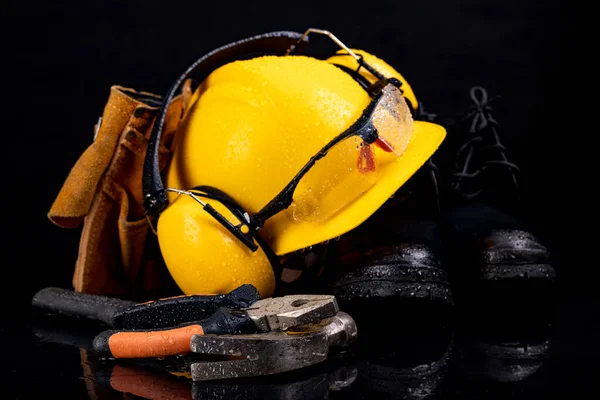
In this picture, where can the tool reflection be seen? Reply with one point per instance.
(433, 354)
(504, 351)
(349, 374)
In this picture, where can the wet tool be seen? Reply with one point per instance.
(265, 315)
(123, 314)
(273, 352)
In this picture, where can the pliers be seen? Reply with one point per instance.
(128, 315)
(250, 336)
(274, 314)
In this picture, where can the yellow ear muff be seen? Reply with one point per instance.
(208, 259)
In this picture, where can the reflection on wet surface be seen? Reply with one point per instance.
(404, 351)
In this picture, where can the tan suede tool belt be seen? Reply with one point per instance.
(118, 253)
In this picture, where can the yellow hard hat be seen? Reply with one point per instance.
(278, 152)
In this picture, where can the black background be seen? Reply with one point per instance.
(60, 59)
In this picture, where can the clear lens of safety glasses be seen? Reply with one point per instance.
(393, 121)
(347, 171)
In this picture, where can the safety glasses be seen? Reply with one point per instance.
(386, 123)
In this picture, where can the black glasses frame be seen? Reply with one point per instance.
(363, 127)
(155, 194)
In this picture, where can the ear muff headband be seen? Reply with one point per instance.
(155, 197)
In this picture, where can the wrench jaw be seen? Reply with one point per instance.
(258, 354)
(301, 317)
(282, 313)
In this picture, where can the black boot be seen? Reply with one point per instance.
(393, 258)
(495, 255)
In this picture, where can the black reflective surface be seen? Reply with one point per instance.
(508, 350)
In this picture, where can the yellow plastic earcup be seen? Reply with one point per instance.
(203, 257)
(250, 128)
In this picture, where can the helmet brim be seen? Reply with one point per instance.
(286, 235)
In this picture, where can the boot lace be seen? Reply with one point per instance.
(484, 135)
(422, 114)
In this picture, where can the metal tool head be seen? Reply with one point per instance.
(282, 313)
(271, 352)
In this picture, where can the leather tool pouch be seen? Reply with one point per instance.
(118, 252)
